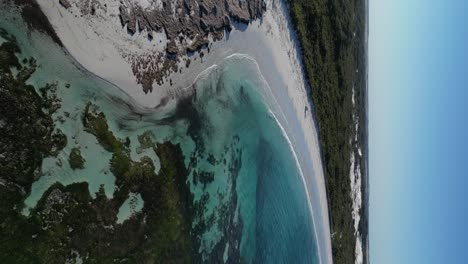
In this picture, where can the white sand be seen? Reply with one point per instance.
(356, 182)
(269, 41)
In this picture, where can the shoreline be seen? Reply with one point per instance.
(272, 44)
(278, 114)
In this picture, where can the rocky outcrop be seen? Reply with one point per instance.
(187, 23)
(188, 26)
(65, 3)
(189, 18)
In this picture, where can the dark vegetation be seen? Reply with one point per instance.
(27, 131)
(167, 197)
(332, 36)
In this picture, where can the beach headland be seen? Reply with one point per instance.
(269, 40)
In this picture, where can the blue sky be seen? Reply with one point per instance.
(418, 129)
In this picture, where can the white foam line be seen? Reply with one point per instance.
(267, 90)
(290, 144)
(296, 159)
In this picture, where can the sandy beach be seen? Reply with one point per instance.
(269, 41)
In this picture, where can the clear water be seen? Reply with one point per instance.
(227, 125)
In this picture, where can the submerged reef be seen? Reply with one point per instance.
(71, 225)
(76, 160)
(27, 130)
(167, 198)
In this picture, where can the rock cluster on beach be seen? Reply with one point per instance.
(65, 3)
(188, 18)
(189, 26)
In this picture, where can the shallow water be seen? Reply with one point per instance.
(132, 205)
(226, 127)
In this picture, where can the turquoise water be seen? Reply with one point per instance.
(132, 205)
(277, 226)
(256, 206)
